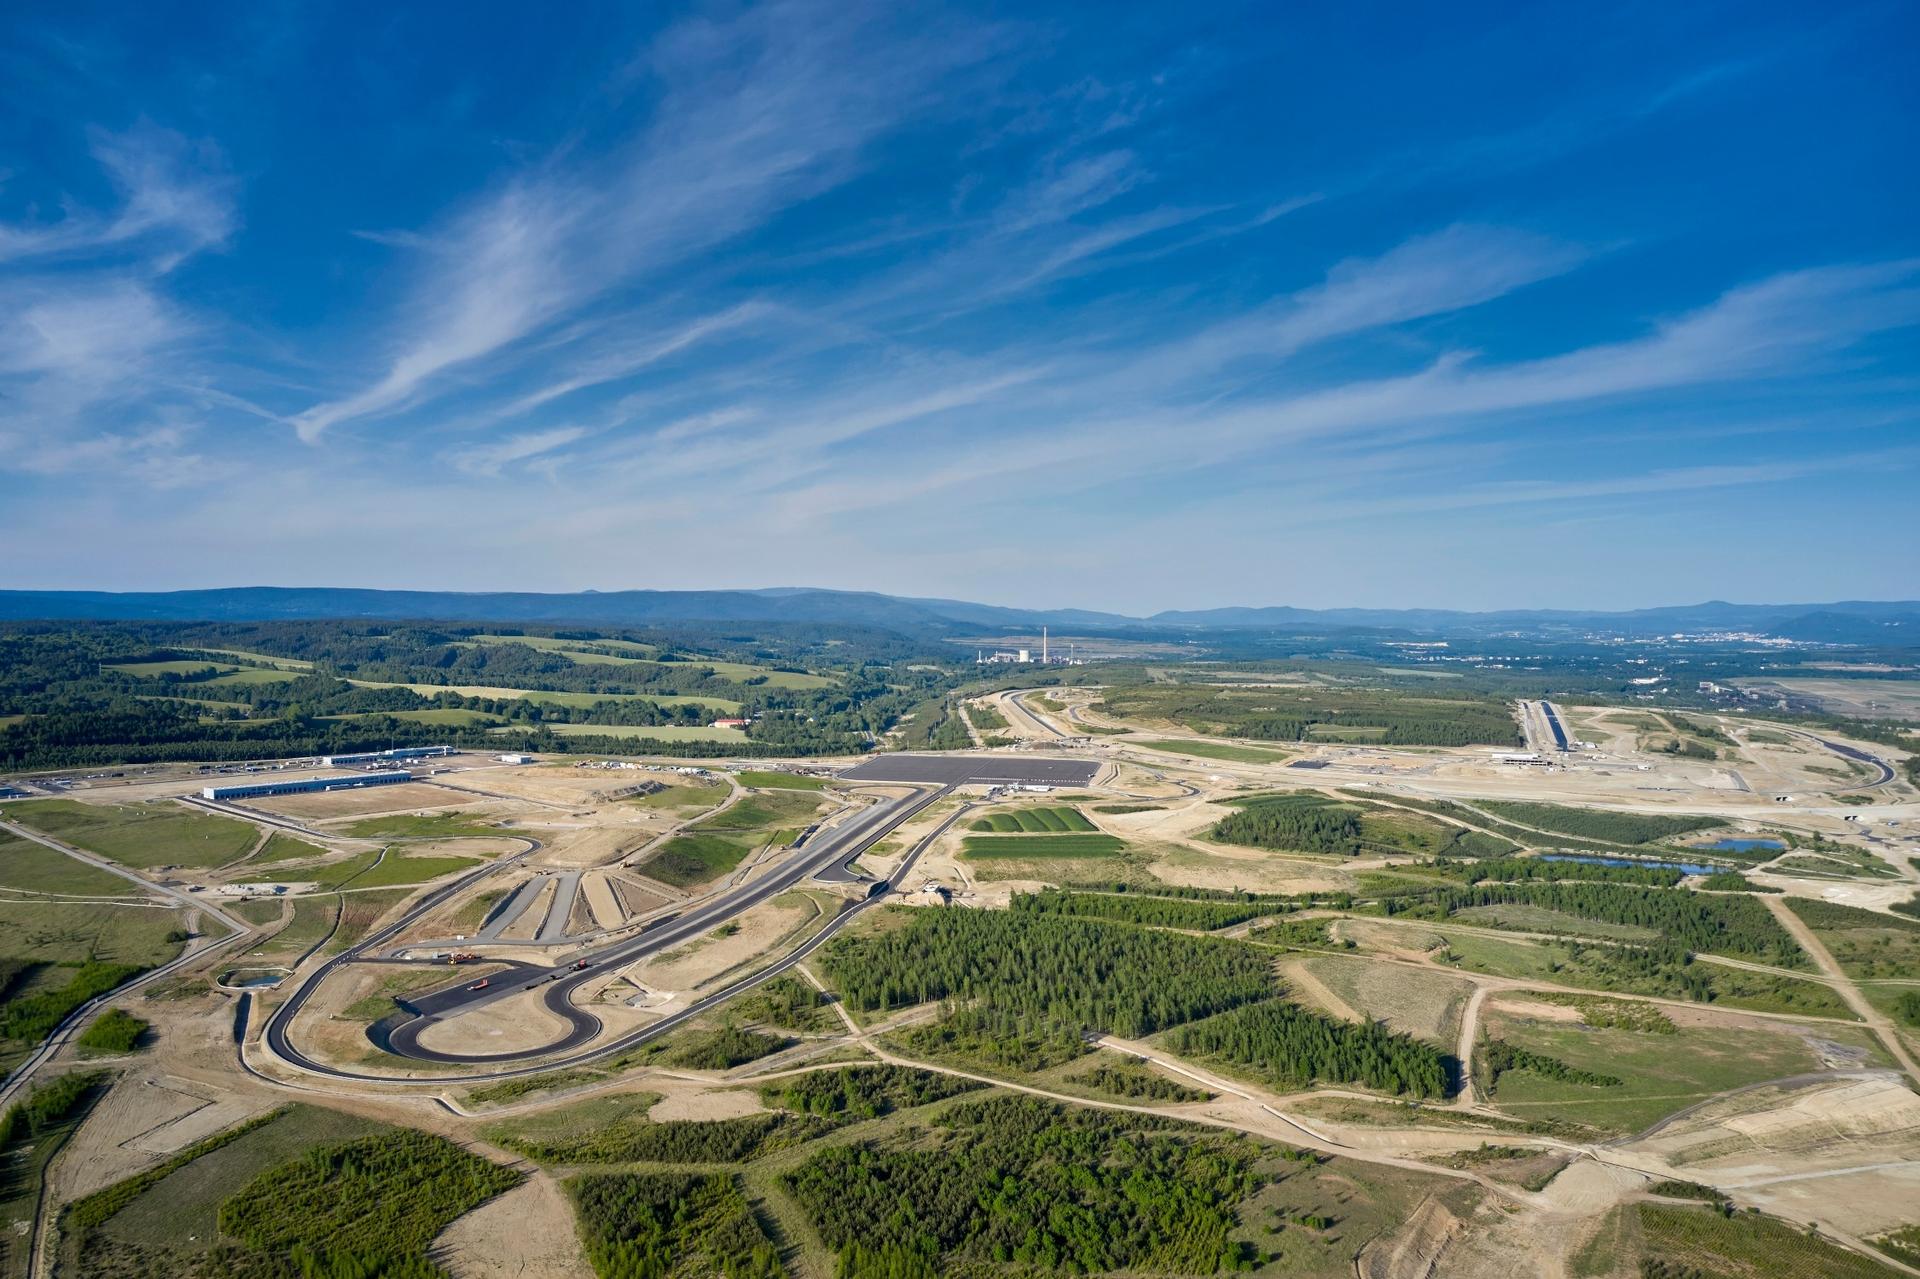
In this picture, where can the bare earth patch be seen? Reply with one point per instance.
(687, 966)
(508, 1025)
(527, 1233)
(704, 1103)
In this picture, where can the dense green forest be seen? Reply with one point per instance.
(1738, 927)
(1284, 1044)
(379, 1197)
(1159, 912)
(98, 693)
(1085, 972)
(1302, 821)
(1050, 1189)
(671, 1226)
(1390, 717)
(1516, 869)
(1596, 823)
(635, 1139)
(863, 1091)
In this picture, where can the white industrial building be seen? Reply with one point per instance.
(306, 786)
(387, 757)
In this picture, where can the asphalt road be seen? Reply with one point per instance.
(827, 849)
(1016, 702)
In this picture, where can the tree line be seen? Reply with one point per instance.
(1091, 973)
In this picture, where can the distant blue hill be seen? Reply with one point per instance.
(1850, 622)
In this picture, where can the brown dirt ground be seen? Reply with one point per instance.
(507, 1025)
(1426, 1005)
(527, 1233)
(681, 1102)
(526, 926)
(405, 797)
(686, 967)
(601, 902)
(145, 1118)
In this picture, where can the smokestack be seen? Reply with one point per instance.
(1043, 646)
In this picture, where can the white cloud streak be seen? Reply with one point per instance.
(754, 114)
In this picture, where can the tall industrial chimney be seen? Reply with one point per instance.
(1043, 646)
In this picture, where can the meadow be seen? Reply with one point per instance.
(142, 837)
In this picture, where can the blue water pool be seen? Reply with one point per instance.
(1689, 868)
(1732, 845)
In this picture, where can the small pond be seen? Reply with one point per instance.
(1730, 844)
(1689, 868)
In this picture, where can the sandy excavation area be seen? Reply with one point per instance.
(769, 926)
(506, 1025)
(527, 1233)
(404, 797)
(147, 1117)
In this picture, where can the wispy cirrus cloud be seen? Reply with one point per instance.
(754, 114)
(491, 459)
(175, 200)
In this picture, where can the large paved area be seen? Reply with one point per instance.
(983, 770)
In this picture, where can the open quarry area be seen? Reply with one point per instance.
(1283, 968)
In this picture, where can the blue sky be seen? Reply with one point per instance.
(1107, 306)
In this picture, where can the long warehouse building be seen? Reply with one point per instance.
(306, 786)
(383, 757)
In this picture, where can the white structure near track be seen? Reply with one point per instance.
(387, 757)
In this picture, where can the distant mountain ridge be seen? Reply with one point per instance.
(1852, 621)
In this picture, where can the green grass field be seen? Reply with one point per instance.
(425, 826)
(978, 847)
(1659, 1073)
(35, 868)
(51, 932)
(369, 870)
(1866, 944)
(543, 697)
(182, 1209)
(249, 675)
(1700, 1242)
(153, 670)
(642, 655)
(1034, 821)
(763, 812)
(312, 919)
(285, 848)
(149, 835)
(452, 716)
(714, 845)
(691, 859)
(360, 910)
(264, 659)
(400, 869)
(654, 732)
(572, 650)
(1219, 750)
(1558, 963)
(1522, 918)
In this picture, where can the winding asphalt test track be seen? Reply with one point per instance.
(832, 848)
